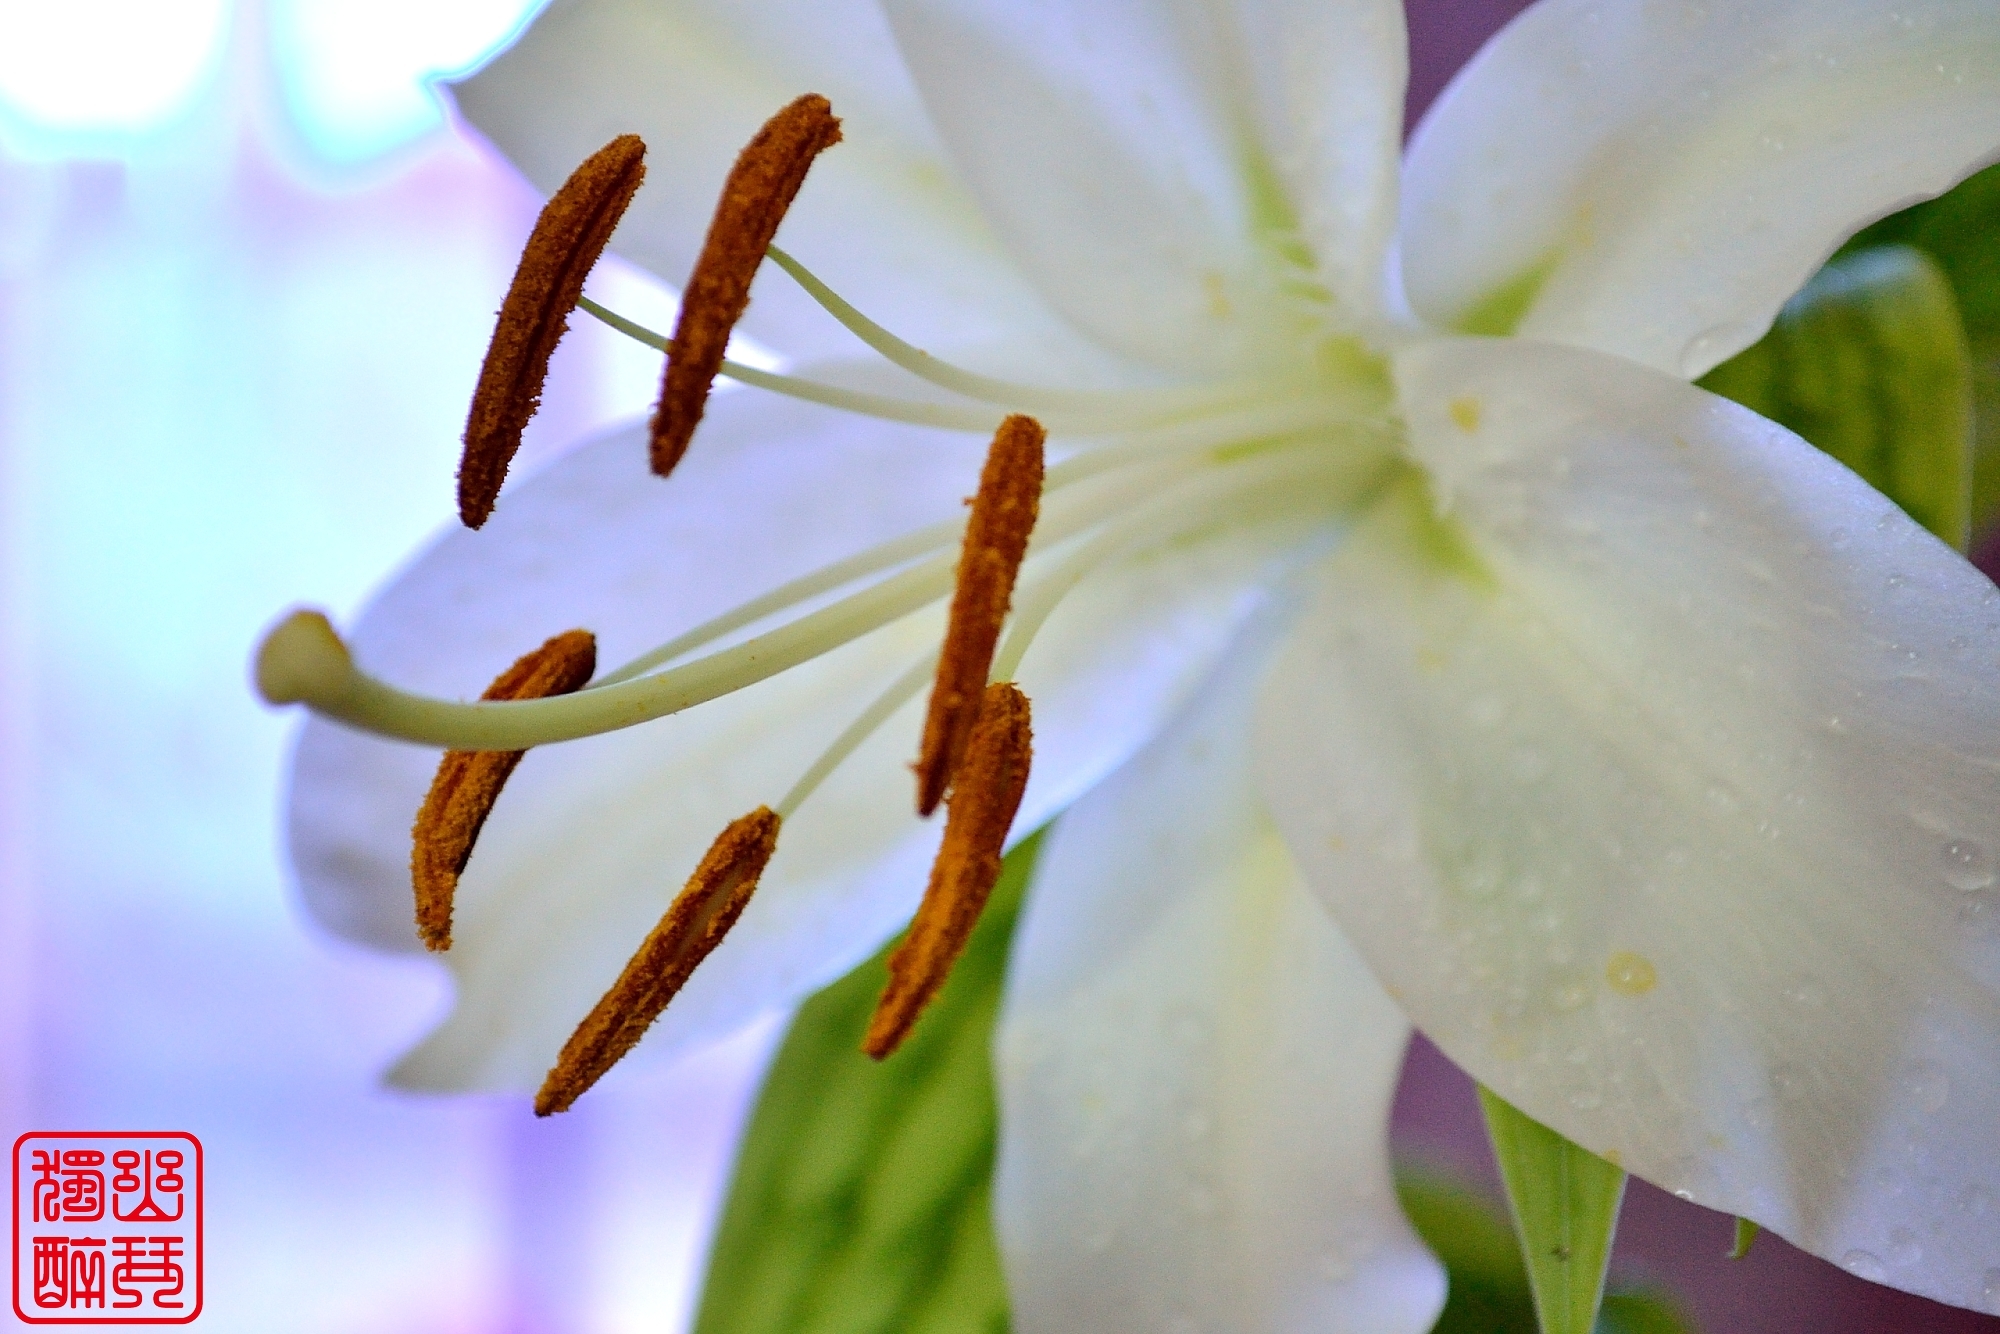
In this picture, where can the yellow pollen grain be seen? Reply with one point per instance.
(1631, 974)
(1465, 413)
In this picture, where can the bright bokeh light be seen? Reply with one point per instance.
(85, 76)
(356, 74)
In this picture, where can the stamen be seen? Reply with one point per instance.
(760, 188)
(900, 692)
(568, 238)
(947, 416)
(701, 915)
(302, 660)
(983, 802)
(996, 541)
(469, 782)
(1135, 407)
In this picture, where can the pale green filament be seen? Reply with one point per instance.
(1134, 407)
(946, 416)
(899, 693)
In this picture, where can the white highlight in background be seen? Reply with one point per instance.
(356, 73)
(83, 75)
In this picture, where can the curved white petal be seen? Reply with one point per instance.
(881, 217)
(772, 490)
(591, 839)
(1195, 1068)
(1157, 169)
(1659, 780)
(1673, 172)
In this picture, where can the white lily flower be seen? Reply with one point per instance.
(1649, 759)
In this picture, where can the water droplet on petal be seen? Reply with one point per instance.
(1966, 865)
(1865, 1264)
(1630, 974)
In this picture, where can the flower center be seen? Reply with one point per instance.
(1138, 468)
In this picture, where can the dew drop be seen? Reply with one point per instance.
(1966, 865)
(1631, 974)
(1865, 1264)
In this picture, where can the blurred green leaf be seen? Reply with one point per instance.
(1746, 1236)
(1489, 1285)
(1960, 229)
(1565, 1204)
(1870, 362)
(861, 1200)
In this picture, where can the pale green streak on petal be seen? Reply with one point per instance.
(1565, 1203)
(861, 1201)
(1869, 362)
(1497, 313)
(1746, 1235)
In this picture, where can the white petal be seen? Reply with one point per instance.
(1674, 172)
(1657, 780)
(1149, 163)
(591, 839)
(1195, 1069)
(881, 217)
(772, 490)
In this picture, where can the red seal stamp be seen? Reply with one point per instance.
(107, 1227)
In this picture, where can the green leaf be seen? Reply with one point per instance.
(1746, 1235)
(1565, 1205)
(1960, 229)
(862, 1196)
(1489, 1286)
(1870, 362)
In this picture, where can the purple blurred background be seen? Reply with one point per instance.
(243, 297)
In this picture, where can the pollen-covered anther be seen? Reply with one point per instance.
(760, 188)
(569, 236)
(996, 541)
(983, 801)
(468, 782)
(694, 925)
